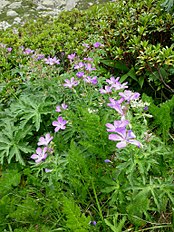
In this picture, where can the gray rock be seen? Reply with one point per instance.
(48, 3)
(70, 4)
(3, 3)
(15, 5)
(17, 20)
(4, 25)
(12, 13)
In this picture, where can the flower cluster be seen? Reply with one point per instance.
(114, 84)
(52, 61)
(42, 153)
(119, 130)
(84, 68)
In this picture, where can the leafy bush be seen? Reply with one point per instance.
(104, 156)
(142, 39)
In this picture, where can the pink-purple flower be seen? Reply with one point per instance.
(97, 45)
(128, 95)
(71, 56)
(86, 45)
(125, 137)
(40, 56)
(88, 58)
(52, 61)
(59, 124)
(107, 89)
(116, 105)
(28, 51)
(48, 170)
(71, 83)
(91, 80)
(107, 161)
(115, 84)
(89, 67)
(44, 141)
(117, 124)
(80, 74)
(9, 49)
(79, 65)
(40, 155)
(59, 108)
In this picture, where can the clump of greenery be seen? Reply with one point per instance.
(139, 45)
(70, 175)
(80, 150)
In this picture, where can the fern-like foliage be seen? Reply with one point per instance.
(76, 221)
(9, 179)
(12, 142)
(117, 225)
(78, 168)
(163, 116)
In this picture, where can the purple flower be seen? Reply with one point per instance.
(71, 56)
(107, 161)
(45, 140)
(70, 83)
(94, 223)
(146, 108)
(88, 58)
(90, 80)
(97, 45)
(28, 51)
(86, 45)
(59, 124)
(115, 84)
(9, 49)
(40, 56)
(94, 80)
(105, 90)
(63, 106)
(89, 67)
(128, 95)
(58, 109)
(118, 86)
(40, 155)
(112, 80)
(52, 61)
(79, 65)
(80, 74)
(125, 137)
(117, 124)
(116, 105)
(48, 170)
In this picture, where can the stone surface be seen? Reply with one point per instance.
(4, 25)
(12, 13)
(18, 11)
(3, 3)
(15, 5)
(48, 3)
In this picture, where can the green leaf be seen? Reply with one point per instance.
(131, 74)
(12, 144)
(115, 64)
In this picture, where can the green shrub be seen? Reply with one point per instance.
(140, 34)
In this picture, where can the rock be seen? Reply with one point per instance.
(4, 25)
(3, 4)
(12, 13)
(15, 5)
(17, 20)
(70, 4)
(49, 3)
